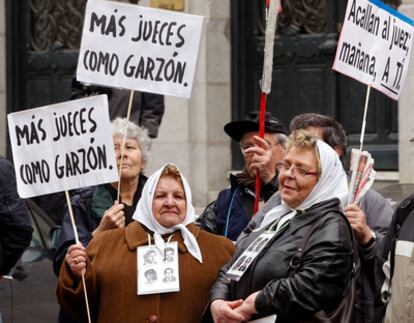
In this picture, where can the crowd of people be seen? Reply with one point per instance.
(305, 256)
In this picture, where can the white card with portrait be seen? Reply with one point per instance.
(240, 266)
(158, 272)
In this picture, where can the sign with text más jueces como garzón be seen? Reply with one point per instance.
(139, 48)
(62, 146)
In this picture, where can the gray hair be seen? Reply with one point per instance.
(133, 131)
(281, 138)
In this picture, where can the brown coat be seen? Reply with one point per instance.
(111, 279)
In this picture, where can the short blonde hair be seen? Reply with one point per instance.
(304, 140)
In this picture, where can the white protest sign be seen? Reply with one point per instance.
(139, 48)
(374, 46)
(62, 146)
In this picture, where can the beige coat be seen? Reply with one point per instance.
(400, 308)
(111, 279)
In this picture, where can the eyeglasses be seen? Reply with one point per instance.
(246, 146)
(295, 171)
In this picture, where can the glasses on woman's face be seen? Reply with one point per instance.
(297, 172)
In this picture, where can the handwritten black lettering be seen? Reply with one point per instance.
(108, 26)
(364, 18)
(356, 57)
(81, 161)
(180, 36)
(146, 68)
(108, 62)
(32, 133)
(35, 171)
(73, 123)
(159, 33)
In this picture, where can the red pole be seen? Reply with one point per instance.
(263, 98)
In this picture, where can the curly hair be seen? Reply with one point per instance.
(304, 140)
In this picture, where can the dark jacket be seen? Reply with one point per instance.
(233, 209)
(15, 227)
(147, 108)
(89, 205)
(320, 282)
(378, 213)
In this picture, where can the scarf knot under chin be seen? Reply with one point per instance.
(143, 214)
(332, 183)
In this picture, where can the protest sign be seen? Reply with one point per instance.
(374, 46)
(139, 48)
(63, 146)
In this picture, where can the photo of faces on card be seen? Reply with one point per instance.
(237, 270)
(157, 270)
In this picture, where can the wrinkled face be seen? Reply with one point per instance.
(132, 159)
(295, 188)
(169, 204)
(278, 150)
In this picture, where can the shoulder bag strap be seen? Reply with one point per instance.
(296, 260)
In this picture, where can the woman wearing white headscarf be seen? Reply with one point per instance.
(312, 183)
(112, 261)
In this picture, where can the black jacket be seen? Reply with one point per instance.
(15, 227)
(320, 282)
(233, 209)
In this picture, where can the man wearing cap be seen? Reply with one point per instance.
(232, 210)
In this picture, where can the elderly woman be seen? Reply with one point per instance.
(114, 268)
(311, 182)
(96, 209)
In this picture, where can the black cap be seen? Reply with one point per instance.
(236, 129)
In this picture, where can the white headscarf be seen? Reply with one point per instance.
(143, 214)
(332, 183)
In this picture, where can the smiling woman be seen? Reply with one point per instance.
(169, 204)
(299, 171)
(312, 184)
(96, 209)
(164, 217)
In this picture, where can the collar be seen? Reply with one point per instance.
(114, 192)
(136, 236)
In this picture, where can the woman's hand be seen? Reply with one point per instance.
(248, 307)
(223, 311)
(76, 259)
(113, 218)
